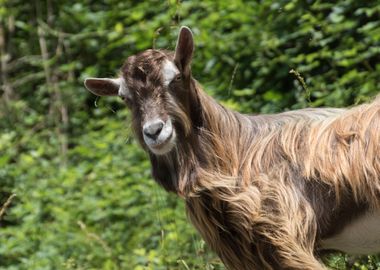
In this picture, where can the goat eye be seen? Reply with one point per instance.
(125, 99)
(178, 77)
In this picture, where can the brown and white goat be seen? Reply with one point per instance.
(265, 191)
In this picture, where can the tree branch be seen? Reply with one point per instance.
(6, 205)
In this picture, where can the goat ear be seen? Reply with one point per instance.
(184, 49)
(103, 86)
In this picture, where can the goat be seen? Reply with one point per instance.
(264, 191)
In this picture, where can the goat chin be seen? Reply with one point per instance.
(165, 147)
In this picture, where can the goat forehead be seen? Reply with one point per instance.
(149, 72)
(147, 61)
(144, 86)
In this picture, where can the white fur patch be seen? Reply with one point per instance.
(165, 141)
(123, 89)
(362, 236)
(169, 72)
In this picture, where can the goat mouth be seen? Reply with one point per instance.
(160, 145)
(163, 147)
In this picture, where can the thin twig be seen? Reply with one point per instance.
(177, 12)
(302, 82)
(51, 77)
(232, 78)
(6, 205)
(94, 236)
(155, 36)
(184, 264)
(4, 58)
(21, 61)
(57, 33)
(96, 102)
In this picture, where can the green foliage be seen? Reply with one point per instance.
(85, 198)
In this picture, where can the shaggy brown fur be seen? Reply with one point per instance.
(262, 190)
(275, 189)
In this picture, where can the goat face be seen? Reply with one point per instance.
(155, 85)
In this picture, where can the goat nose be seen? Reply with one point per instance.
(153, 129)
